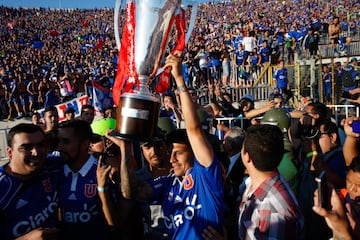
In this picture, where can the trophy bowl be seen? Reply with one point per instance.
(138, 110)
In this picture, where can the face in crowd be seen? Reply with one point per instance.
(181, 159)
(27, 152)
(353, 179)
(110, 113)
(328, 138)
(87, 114)
(168, 103)
(353, 184)
(193, 95)
(51, 119)
(69, 115)
(155, 153)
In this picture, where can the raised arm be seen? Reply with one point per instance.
(130, 187)
(255, 112)
(350, 149)
(127, 175)
(112, 216)
(199, 144)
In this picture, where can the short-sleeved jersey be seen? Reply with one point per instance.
(82, 216)
(281, 78)
(27, 205)
(327, 79)
(265, 54)
(239, 57)
(254, 59)
(192, 204)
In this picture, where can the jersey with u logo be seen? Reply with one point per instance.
(80, 204)
(193, 203)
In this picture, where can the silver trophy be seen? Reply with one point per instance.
(138, 112)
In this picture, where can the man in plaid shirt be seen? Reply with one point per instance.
(268, 208)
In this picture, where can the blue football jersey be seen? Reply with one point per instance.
(27, 205)
(82, 216)
(281, 78)
(192, 204)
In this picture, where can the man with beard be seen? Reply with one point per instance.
(88, 199)
(51, 119)
(191, 197)
(50, 127)
(157, 165)
(155, 153)
(28, 187)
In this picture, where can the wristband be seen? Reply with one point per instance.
(101, 189)
(311, 154)
(182, 89)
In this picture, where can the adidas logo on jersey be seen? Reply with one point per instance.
(21, 203)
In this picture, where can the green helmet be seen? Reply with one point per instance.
(166, 125)
(204, 119)
(203, 116)
(101, 126)
(278, 117)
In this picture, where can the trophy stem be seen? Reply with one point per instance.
(143, 86)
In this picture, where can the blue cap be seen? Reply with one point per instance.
(354, 59)
(248, 96)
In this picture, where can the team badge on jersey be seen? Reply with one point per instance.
(188, 182)
(47, 185)
(90, 190)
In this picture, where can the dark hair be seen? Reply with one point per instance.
(355, 164)
(82, 128)
(69, 110)
(169, 95)
(329, 128)
(35, 113)
(87, 106)
(108, 108)
(236, 137)
(50, 109)
(22, 128)
(275, 95)
(320, 109)
(244, 102)
(265, 145)
(178, 136)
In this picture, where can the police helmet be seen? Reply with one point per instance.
(278, 117)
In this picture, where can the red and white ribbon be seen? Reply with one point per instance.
(165, 76)
(126, 64)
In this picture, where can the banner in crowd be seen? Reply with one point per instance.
(101, 97)
(75, 103)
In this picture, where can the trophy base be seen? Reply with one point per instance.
(128, 137)
(137, 116)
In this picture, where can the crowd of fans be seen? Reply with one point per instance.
(50, 55)
(195, 177)
(192, 178)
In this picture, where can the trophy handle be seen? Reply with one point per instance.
(192, 22)
(188, 33)
(117, 10)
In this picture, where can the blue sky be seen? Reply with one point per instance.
(57, 3)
